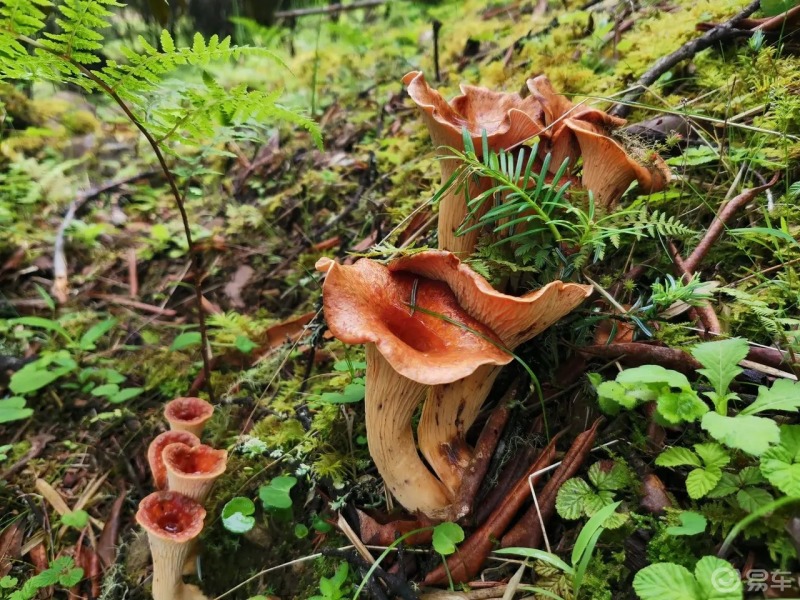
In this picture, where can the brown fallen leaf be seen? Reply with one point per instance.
(374, 533)
(233, 289)
(107, 543)
(10, 546)
(654, 495)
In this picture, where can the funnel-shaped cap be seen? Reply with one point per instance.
(188, 414)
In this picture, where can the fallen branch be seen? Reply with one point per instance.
(638, 353)
(717, 227)
(688, 50)
(704, 311)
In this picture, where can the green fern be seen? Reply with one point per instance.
(80, 38)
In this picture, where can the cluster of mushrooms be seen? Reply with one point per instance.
(435, 331)
(184, 471)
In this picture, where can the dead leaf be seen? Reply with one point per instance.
(10, 547)
(233, 289)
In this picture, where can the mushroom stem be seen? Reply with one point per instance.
(448, 413)
(390, 402)
(453, 208)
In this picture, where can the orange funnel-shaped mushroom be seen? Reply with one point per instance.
(578, 131)
(188, 414)
(508, 120)
(428, 320)
(608, 169)
(450, 410)
(172, 522)
(156, 448)
(192, 471)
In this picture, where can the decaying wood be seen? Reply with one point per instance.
(528, 530)
(467, 562)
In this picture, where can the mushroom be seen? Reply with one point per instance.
(192, 471)
(188, 414)
(172, 521)
(608, 169)
(450, 410)
(576, 131)
(508, 120)
(428, 320)
(154, 453)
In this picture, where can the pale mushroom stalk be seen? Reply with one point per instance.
(188, 414)
(172, 522)
(389, 404)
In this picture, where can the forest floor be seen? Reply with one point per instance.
(98, 319)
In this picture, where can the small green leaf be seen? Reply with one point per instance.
(781, 464)
(244, 344)
(654, 374)
(571, 498)
(677, 457)
(186, 340)
(537, 554)
(727, 485)
(94, 333)
(13, 409)
(750, 434)
(108, 389)
(276, 494)
(666, 581)
(681, 407)
(32, 377)
(125, 394)
(718, 580)
(712, 455)
(701, 481)
(772, 8)
(783, 395)
(42, 323)
(300, 531)
(750, 499)
(236, 515)
(352, 393)
(720, 360)
(604, 478)
(77, 519)
(692, 523)
(446, 536)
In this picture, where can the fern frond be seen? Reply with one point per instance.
(81, 22)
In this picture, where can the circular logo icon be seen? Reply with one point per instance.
(726, 580)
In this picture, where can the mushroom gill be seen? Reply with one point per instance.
(429, 320)
(508, 119)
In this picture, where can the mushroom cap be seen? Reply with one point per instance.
(513, 319)
(608, 169)
(508, 118)
(195, 462)
(156, 448)
(171, 517)
(188, 414)
(366, 302)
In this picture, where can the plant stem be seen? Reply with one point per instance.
(196, 259)
(757, 514)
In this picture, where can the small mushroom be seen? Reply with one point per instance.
(172, 521)
(188, 414)
(508, 120)
(156, 448)
(192, 471)
(428, 320)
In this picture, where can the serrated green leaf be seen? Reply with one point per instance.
(783, 395)
(712, 455)
(446, 536)
(727, 485)
(701, 481)
(781, 464)
(751, 498)
(666, 581)
(571, 498)
(750, 434)
(677, 457)
(751, 476)
(603, 478)
(77, 519)
(681, 407)
(653, 374)
(718, 580)
(720, 360)
(692, 523)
